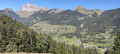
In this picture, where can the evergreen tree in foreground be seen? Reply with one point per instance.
(116, 46)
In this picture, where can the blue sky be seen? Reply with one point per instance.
(64, 4)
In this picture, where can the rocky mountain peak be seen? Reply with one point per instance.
(83, 10)
(28, 9)
(80, 7)
(32, 7)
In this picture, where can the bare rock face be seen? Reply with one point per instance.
(83, 10)
(32, 7)
(29, 9)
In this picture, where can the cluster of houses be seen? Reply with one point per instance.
(79, 42)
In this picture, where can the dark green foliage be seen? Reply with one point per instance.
(109, 51)
(15, 36)
(116, 46)
(91, 51)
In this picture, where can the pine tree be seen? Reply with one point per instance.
(116, 46)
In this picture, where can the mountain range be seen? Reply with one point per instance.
(91, 26)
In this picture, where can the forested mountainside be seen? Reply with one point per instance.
(62, 18)
(16, 37)
(108, 20)
(96, 24)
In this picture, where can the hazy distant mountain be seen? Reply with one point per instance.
(32, 7)
(10, 13)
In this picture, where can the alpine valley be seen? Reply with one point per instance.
(89, 29)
